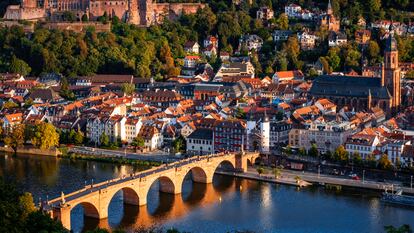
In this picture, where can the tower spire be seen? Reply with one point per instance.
(329, 11)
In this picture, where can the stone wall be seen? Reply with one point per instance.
(26, 28)
(14, 12)
(78, 26)
(117, 8)
(33, 151)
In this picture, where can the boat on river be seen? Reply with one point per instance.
(397, 198)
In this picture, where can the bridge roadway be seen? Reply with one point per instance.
(95, 198)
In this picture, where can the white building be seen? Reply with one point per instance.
(200, 142)
(252, 42)
(364, 144)
(293, 10)
(327, 136)
(337, 39)
(153, 138)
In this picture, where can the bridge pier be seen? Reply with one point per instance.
(63, 214)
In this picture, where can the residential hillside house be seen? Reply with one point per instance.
(307, 40)
(265, 13)
(192, 47)
(362, 37)
(281, 35)
(337, 39)
(293, 10)
(250, 42)
(244, 68)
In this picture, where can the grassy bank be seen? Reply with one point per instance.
(113, 160)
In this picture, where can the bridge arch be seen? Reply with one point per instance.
(129, 195)
(89, 209)
(199, 175)
(225, 165)
(166, 184)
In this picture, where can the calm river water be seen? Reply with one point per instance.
(228, 204)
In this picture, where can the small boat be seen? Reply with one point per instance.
(398, 198)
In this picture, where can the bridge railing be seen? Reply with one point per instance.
(105, 184)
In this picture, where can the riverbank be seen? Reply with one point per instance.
(32, 151)
(266, 178)
(109, 159)
(307, 179)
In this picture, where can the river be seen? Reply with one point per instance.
(226, 205)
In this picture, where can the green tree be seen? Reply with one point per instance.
(10, 104)
(384, 162)
(85, 18)
(69, 16)
(402, 229)
(18, 213)
(356, 158)
(313, 151)
(373, 51)
(179, 145)
(260, 170)
(78, 138)
(370, 161)
(15, 138)
(27, 205)
(282, 22)
(19, 66)
(104, 140)
(333, 58)
(277, 173)
(138, 142)
(240, 113)
(128, 88)
(45, 136)
(340, 154)
(302, 151)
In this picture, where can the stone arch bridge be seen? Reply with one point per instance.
(95, 199)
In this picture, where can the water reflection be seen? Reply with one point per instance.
(226, 205)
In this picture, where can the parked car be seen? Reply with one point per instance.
(356, 178)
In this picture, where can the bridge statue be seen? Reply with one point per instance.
(96, 199)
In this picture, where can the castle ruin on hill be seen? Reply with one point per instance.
(138, 12)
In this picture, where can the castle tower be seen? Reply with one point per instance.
(133, 12)
(265, 133)
(392, 75)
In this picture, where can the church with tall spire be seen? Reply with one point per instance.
(329, 20)
(364, 93)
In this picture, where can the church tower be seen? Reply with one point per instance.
(329, 11)
(392, 77)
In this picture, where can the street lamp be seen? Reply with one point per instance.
(319, 171)
(363, 176)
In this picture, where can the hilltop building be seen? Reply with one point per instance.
(329, 20)
(139, 12)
